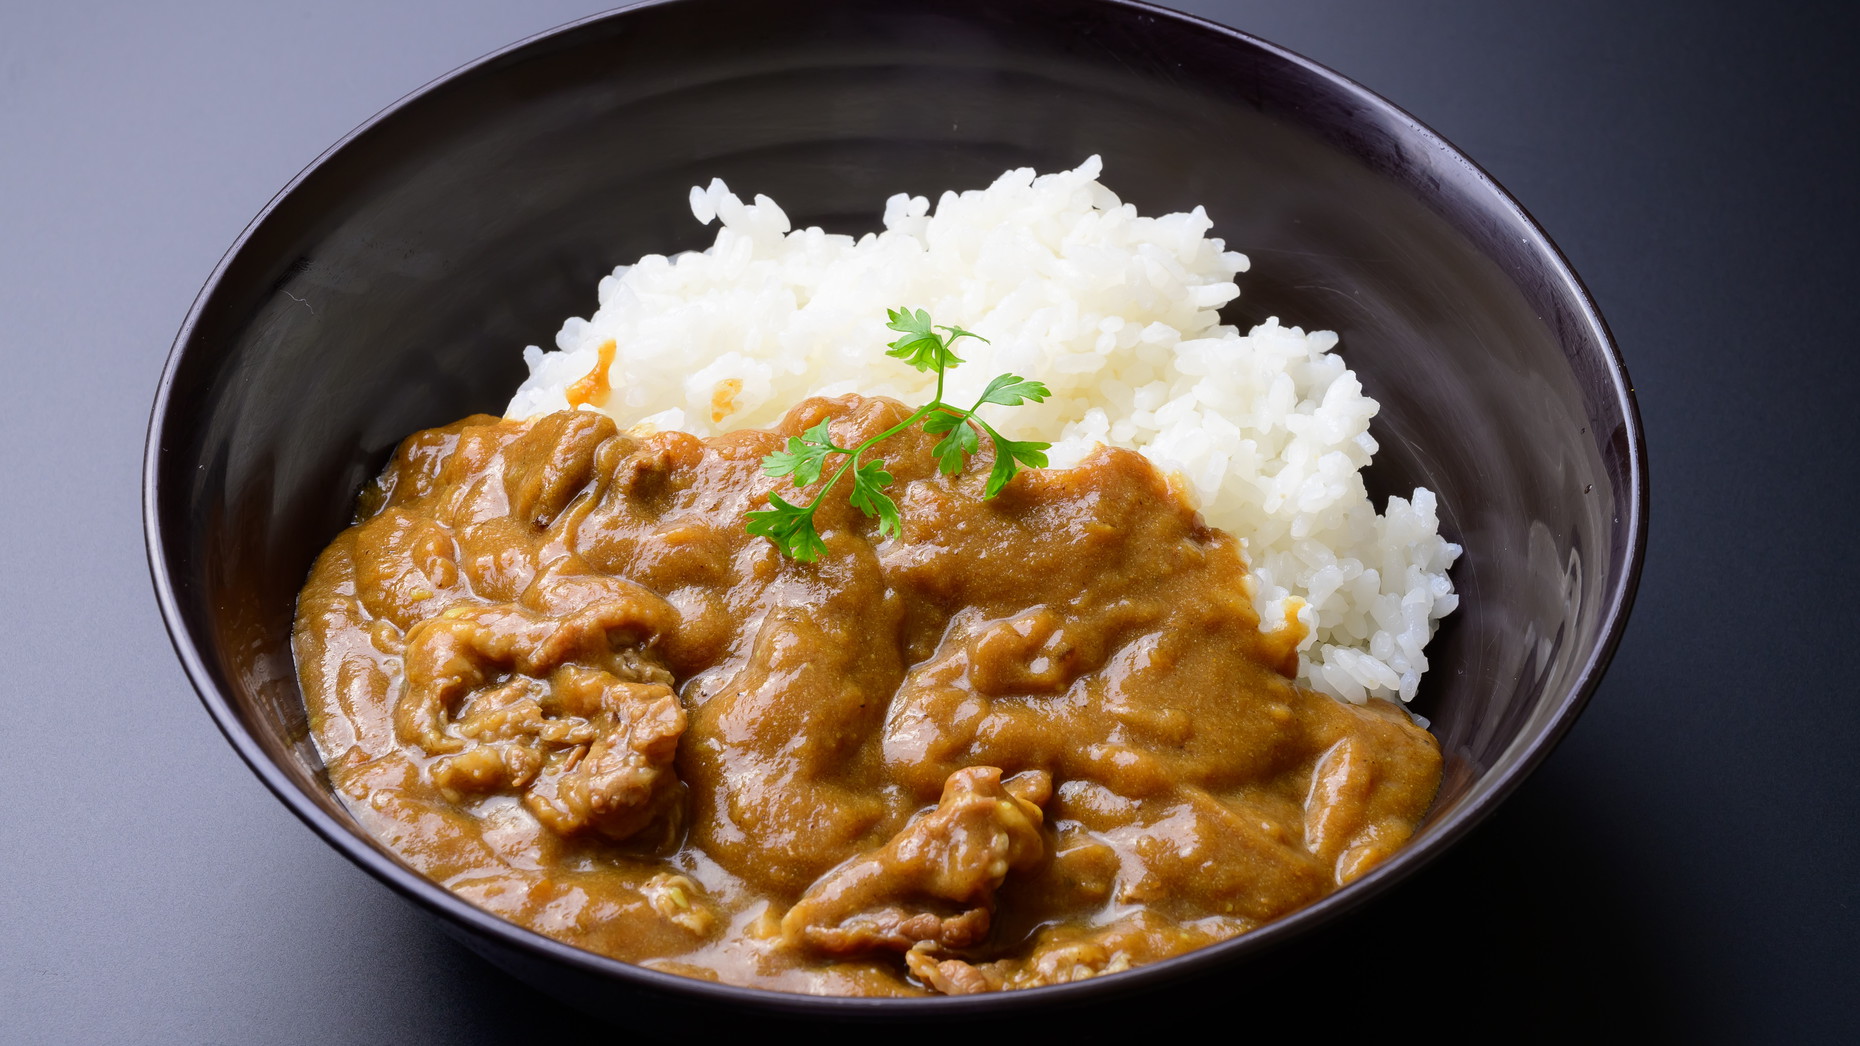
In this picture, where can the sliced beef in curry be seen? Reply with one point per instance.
(1032, 739)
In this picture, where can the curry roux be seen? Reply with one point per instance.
(1034, 739)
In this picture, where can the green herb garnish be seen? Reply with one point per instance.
(804, 460)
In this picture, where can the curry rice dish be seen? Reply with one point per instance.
(1024, 739)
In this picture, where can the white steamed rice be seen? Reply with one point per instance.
(1115, 312)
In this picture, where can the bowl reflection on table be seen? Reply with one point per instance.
(392, 285)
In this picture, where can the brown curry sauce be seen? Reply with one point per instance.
(1035, 738)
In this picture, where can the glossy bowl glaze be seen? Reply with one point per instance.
(391, 286)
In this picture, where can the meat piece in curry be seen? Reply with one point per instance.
(1032, 739)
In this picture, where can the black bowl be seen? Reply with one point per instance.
(391, 285)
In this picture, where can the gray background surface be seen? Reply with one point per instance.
(1686, 866)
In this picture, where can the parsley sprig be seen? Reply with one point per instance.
(804, 460)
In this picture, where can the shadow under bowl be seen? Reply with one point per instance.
(391, 285)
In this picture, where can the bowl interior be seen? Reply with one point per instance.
(394, 285)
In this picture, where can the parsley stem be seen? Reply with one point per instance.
(993, 436)
(852, 456)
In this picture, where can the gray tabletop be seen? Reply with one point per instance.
(1685, 866)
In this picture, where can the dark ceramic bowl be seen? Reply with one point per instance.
(391, 286)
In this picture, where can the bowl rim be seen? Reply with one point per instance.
(1473, 182)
